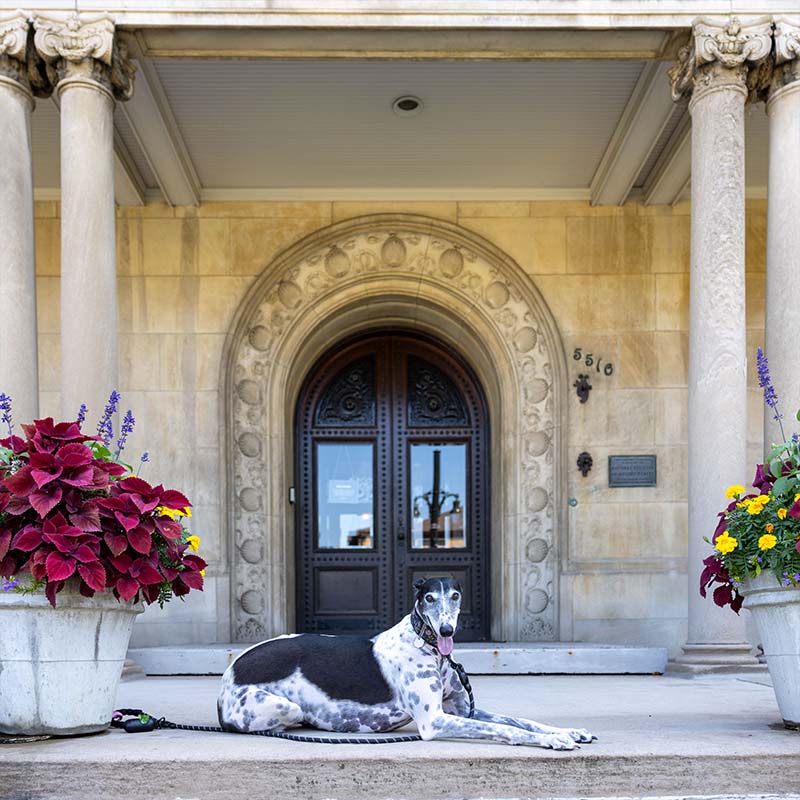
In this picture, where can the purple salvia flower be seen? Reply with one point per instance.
(143, 460)
(125, 430)
(765, 382)
(5, 407)
(105, 427)
(81, 414)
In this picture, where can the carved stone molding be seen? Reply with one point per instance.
(19, 60)
(720, 53)
(787, 53)
(396, 257)
(14, 36)
(84, 47)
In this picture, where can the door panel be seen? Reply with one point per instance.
(392, 474)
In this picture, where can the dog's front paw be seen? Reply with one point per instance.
(560, 741)
(580, 735)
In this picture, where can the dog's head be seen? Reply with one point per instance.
(438, 601)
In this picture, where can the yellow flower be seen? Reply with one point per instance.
(167, 512)
(173, 513)
(782, 512)
(203, 573)
(734, 491)
(755, 508)
(763, 499)
(726, 543)
(769, 527)
(767, 542)
(193, 542)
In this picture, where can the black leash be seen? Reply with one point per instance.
(142, 722)
(427, 635)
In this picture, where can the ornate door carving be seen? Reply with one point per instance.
(391, 485)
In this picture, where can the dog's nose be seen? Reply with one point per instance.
(446, 630)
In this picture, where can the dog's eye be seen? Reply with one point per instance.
(456, 595)
(428, 598)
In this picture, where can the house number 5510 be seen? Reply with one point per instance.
(589, 360)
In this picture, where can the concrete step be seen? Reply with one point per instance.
(485, 658)
(658, 736)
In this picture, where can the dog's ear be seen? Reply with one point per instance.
(418, 584)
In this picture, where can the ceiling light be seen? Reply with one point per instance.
(407, 106)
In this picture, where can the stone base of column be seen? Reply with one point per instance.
(132, 670)
(699, 659)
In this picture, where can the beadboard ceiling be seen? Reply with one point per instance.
(259, 126)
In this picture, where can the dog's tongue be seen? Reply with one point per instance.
(444, 644)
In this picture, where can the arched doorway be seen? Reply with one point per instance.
(417, 274)
(391, 484)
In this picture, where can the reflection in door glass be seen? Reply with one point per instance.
(344, 495)
(438, 495)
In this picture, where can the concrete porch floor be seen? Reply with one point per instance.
(659, 735)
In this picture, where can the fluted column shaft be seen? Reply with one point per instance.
(717, 336)
(89, 72)
(713, 70)
(783, 231)
(89, 357)
(19, 374)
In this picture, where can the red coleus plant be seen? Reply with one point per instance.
(70, 510)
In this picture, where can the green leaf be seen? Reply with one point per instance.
(776, 467)
(782, 485)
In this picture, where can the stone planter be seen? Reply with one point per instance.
(776, 610)
(60, 667)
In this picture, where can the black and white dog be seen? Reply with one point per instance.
(339, 683)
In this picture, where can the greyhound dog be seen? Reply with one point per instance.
(340, 683)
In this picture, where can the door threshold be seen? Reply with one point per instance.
(478, 658)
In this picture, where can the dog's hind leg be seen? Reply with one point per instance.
(249, 708)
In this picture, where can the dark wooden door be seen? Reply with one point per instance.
(392, 481)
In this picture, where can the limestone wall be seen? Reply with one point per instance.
(616, 280)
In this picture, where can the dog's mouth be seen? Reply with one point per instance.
(444, 644)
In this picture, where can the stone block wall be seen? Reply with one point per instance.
(616, 280)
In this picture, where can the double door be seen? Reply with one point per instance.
(391, 486)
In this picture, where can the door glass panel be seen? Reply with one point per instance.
(438, 495)
(344, 495)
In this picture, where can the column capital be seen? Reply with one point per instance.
(787, 55)
(720, 54)
(86, 49)
(19, 62)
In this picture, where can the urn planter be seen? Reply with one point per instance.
(60, 667)
(776, 610)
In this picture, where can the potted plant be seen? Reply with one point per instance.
(756, 559)
(84, 544)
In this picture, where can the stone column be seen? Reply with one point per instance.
(19, 374)
(783, 230)
(89, 70)
(713, 69)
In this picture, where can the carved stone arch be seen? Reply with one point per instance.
(426, 275)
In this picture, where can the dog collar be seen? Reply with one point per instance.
(422, 629)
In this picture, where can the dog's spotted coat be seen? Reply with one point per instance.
(363, 686)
